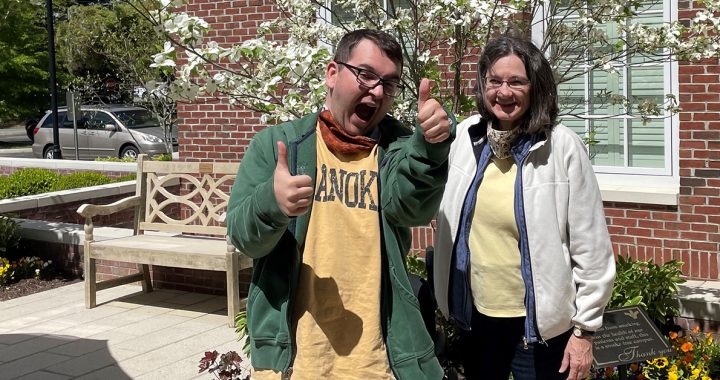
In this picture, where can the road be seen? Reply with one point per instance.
(15, 143)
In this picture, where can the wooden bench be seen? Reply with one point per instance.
(190, 225)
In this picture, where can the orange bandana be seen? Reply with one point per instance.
(338, 141)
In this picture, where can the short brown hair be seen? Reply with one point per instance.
(387, 43)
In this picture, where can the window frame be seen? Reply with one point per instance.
(640, 185)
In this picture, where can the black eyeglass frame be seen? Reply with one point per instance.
(357, 71)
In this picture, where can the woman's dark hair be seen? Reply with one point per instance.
(543, 111)
(387, 43)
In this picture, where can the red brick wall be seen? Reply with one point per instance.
(688, 232)
(213, 129)
(190, 280)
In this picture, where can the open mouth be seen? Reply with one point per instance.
(365, 111)
(507, 106)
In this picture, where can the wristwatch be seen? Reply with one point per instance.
(580, 333)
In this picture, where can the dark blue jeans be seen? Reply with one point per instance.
(494, 348)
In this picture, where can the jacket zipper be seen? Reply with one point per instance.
(483, 162)
(381, 164)
(291, 287)
(519, 191)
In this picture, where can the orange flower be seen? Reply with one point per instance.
(696, 329)
(687, 346)
(633, 367)
(609, 372)
(673, 335)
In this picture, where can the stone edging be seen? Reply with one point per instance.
(105, 166)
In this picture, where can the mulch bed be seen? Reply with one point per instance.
(31, 285)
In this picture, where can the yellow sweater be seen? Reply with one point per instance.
(497, 286)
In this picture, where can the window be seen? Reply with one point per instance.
(137, 118)
(339, 12)
(625, 151)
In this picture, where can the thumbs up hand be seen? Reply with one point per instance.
(293, 193)
(433, 119)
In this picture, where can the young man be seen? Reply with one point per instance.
(324, 205)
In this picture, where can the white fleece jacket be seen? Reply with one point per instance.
(572, 261)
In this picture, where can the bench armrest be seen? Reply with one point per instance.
(90, 210)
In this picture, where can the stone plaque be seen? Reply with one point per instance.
(628, 336)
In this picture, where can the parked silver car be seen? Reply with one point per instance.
(103, 131)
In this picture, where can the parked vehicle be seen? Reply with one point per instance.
(103, 131)
(30, 128)
(31, 123)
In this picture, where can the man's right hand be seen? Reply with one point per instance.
(293, 193)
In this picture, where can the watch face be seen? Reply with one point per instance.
(577, 332)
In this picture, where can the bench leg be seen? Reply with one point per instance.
(233, 285)
(144, 270)
(90, 280)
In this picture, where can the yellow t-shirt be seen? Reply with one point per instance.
(337, 308)
(495, 280)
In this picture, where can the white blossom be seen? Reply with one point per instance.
(285, 79)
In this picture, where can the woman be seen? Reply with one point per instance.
(523, 260)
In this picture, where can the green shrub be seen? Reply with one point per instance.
(37, 181)
(27, 181)
(115, 159)
(9, 235)
(162, 157)
(80, 179)
(157, 157)
(126, 177)
(416, 265)
(649, 285)
(241, 330)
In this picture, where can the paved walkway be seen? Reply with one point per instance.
(130, 335)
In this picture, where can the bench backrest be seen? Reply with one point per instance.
(203, 195)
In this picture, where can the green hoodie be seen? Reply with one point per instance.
(411, 182)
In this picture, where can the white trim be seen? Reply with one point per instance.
(643, 195)
(673, 77)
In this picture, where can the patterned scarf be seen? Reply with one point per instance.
(338, 141)
(502, 141)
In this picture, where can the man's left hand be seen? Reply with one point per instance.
(433, 119)
(578, 357)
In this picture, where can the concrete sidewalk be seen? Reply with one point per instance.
(130, 335)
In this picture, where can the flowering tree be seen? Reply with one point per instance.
(283, 79)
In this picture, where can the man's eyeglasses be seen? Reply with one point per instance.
(515, 83)
(370, 80)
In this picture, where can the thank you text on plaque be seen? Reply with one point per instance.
(628, 336)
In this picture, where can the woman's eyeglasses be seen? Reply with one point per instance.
(515, 83)
(370, 80)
